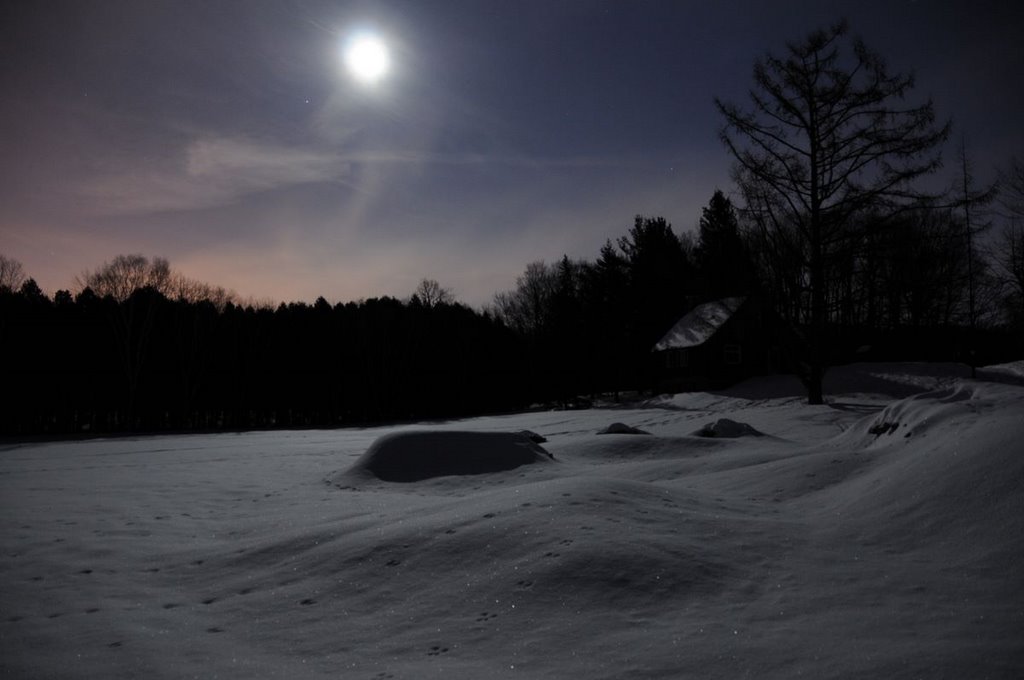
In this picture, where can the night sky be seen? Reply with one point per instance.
(229, 138)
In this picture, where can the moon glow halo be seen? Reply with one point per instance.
(367, 58)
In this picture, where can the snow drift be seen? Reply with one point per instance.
(621, 428)
(728, 429)
(419, 455)
(836, 546)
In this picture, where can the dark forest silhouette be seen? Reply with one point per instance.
(169, 356)
(86, 363)
(831, 237)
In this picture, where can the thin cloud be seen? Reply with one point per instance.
(214, 172)
(217, 171)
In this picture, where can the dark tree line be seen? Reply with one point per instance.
(149, 362)
(894, 286)
(589, 326)
(170, 354)
(832, 235)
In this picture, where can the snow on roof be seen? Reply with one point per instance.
(699, 324)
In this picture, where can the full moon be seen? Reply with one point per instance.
(366, 57)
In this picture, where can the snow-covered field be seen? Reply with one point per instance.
(880, 536)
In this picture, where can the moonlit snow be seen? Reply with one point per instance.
(878, 536)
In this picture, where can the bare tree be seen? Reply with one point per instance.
(126, 274)
(12, 275)
(827, 137)
(1011, 191)
(527, 309)
(1005, 253)
(1009, 269)
(972, 201)
(185, 289)
(430, 293)
(130, 280)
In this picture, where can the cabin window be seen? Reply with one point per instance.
(732, 354)
(676, 358)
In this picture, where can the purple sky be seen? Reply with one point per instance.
(227, 137)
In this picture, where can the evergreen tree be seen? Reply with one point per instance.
(723, 264)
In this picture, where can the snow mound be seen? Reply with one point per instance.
(943, 466)
(728, 429)
(533, 436)
(894, 380)
(418, 455)
(916, 415)
(621, 428)
(1010, 372)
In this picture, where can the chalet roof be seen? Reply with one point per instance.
(699, 324)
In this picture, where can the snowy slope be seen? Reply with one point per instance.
(866, 538)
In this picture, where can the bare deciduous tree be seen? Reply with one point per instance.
(1011, 191)
(1009, 250)
(827, 136)
(126, 274)
(430, 293)
(12, 274)
(527, 308)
